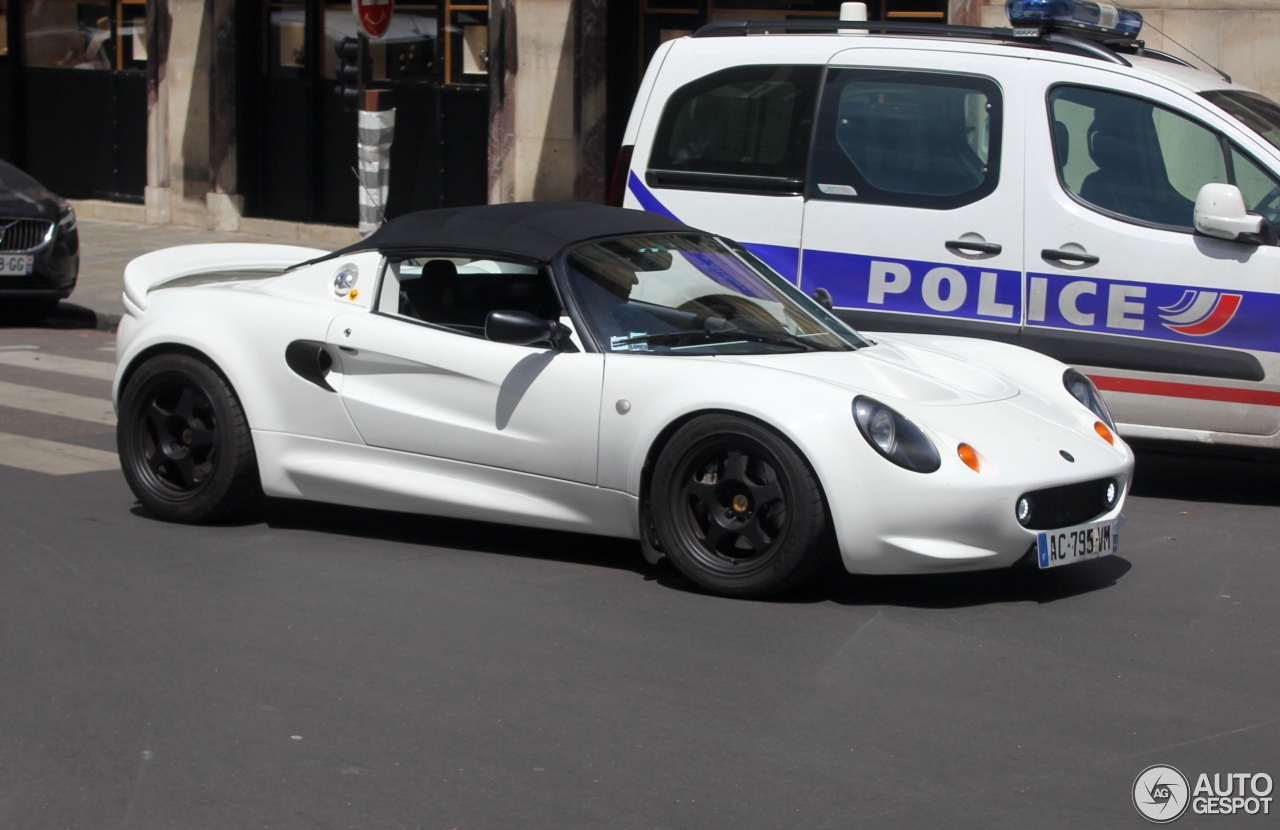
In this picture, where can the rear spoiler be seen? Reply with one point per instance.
(150, 271)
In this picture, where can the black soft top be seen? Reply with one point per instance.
(526, 230)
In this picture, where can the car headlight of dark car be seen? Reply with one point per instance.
(894, 437)
(67, 219)
(1083, 390)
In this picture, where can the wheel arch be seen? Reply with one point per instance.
(665, 435)
(167, 348)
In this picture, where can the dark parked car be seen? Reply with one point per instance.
(39, 246)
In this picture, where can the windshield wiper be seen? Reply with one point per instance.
(723, 335)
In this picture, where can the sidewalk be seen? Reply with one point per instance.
(106, 247)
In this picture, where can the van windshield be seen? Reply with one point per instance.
(695, 294)
(1257, 112)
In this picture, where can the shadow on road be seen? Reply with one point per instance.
(1022, 583)
(17, 315)
(483, 537)
(1214, 474)
(963, 590)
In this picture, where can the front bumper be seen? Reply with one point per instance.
(54, 270)
(889, 520)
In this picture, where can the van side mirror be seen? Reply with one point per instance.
(1220, 212)
(520, 328)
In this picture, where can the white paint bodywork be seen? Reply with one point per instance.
(423, 420)
(1029, 211)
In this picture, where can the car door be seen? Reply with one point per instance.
(419, 376)
(914, 212)
(728, 152)
(1176, 328)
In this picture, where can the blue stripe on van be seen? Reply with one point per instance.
(781, 258)
(910, 286)
(1074, 302)
(647, 200)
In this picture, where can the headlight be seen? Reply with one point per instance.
(894, 437)
(1083, 390)
(67, 221)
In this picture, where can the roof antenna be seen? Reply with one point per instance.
(1224, 75)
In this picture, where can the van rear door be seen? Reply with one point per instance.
(728, 150)
(914, 213)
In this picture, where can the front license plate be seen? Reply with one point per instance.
(1062, 547)
(16, 264)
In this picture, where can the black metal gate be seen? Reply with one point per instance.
(298, 146)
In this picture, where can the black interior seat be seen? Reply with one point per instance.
(1131, 178)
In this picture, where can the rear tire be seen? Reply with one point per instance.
(737, 508)
(184, 442)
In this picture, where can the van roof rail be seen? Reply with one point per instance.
(1031, 36)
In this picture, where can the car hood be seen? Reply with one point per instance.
(896, 370)
(22, 196)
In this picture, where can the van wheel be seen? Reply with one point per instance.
(184, 442)
(737, 508)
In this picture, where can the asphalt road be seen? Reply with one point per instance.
(326, 668)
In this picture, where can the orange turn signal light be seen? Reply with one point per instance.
(1104, 431)
(969, 456)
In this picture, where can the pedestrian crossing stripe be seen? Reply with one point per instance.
(31, 358)
(53, 457)
(62, 404)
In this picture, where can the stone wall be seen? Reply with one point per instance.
(546, 64)
(1240, 37)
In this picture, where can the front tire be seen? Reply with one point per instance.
(737, 509)
(184, 442)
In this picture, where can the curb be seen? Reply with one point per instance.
(106, 320)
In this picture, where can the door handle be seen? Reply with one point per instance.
(974, 247)
(1068, 257)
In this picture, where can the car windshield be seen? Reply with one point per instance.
(695, 294)
(1257, 112)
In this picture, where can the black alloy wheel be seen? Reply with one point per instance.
(738, 509)
(185, 446)
(179, 438)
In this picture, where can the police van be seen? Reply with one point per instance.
(1055, 185)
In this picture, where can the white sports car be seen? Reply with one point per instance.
(571, 366)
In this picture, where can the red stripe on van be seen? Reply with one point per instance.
(1187, 390)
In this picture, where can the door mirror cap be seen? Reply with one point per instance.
(520, 328)
(1220, 212)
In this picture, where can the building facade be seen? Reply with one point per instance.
(207, 111)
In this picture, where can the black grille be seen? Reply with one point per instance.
(1070, 504)
(23, 234)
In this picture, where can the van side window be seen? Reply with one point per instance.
(742, 129)
(914, 139)
(1260, 189)
(1133, 158)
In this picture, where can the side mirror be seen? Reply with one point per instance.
(1220, 212)
(520, 328)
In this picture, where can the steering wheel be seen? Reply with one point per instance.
(732, 308)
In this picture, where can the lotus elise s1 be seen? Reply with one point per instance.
(610, 371)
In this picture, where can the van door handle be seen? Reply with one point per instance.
(1068, 257)
(974, 247)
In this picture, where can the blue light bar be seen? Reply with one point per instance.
(1082, 16)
